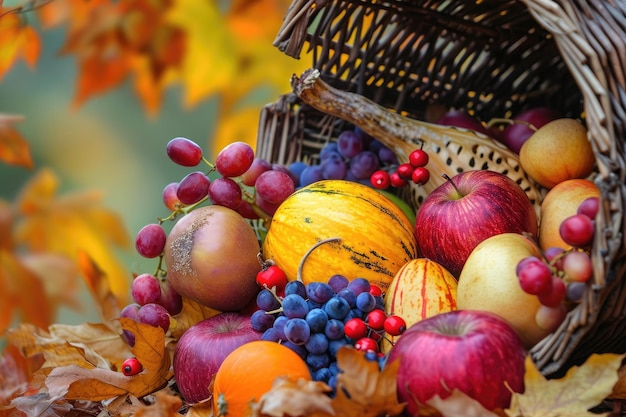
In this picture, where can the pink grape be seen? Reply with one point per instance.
(150, 240)
(266, 206)
(554, 294)
(184, 152)
(234, 159)
(246, 210)
(130, 311)
(145, 289)
(170, 299)
(274, 186)
(553, 255)
(155, 315)
(170, 197)
(225, 192)
(193, 187)
(577, 266)
(577, 230)
(534, 275)
(589, 207)
(258, 166)
(550, 318)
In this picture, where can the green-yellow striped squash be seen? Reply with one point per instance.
(375, 236)
(420, 289)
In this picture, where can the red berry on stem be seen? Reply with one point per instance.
(184, 152)
(150, 240)
(418, 158)
(131, 366)
(394, 325)
(366, 344)
(375, 319)
(271, 277)
(420, 175)
(405, 171)
(375, 290)
(355, 328)
(380, 179)
(396, 180)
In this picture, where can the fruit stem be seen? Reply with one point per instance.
(447, 178)
(311, 249)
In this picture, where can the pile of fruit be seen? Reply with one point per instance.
(298, 262)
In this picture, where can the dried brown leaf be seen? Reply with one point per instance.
(458, 404)
(96, 384)
(165, 405)
(363, 390)
(582, 388)
(295, 398)
(619, 389)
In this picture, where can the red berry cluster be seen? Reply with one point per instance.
(560, 276)
(415, 170)
(369, 331)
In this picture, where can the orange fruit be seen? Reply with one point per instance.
(561, 202)
(559, 150)
(249, 371)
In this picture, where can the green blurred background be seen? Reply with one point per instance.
(110, 144)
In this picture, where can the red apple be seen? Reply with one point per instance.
(514, 135)
(202, 348)
(475, 352)
(470, 207)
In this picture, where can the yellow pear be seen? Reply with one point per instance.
(559, 150)
(488, 282)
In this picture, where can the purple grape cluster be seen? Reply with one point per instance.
(310, 320)
(354, 156)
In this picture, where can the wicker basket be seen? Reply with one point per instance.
(493, 58)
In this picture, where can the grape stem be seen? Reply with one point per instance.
(311, 249)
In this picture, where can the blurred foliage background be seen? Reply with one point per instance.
(112, 142)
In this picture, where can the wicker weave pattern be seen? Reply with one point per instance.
(494, 58)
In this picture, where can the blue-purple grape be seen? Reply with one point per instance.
(334, 167)
(365, 302)
(311, 174)
(266, 300)
(261, 321)
(317, 343)
(338, 282)
(317, 319)
(297, 331)
(337, 307)
(317, 361)
(359, 285)
(295, 306)
(363, 165)
(319, 292)
(334, 329)
(350, 143)
(348, 295)
(296, 287)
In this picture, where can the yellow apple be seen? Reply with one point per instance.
(420, 289)
(488, 282)
(561, 202)
(559, 150)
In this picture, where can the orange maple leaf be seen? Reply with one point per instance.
(17, 40)
(14, 149)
